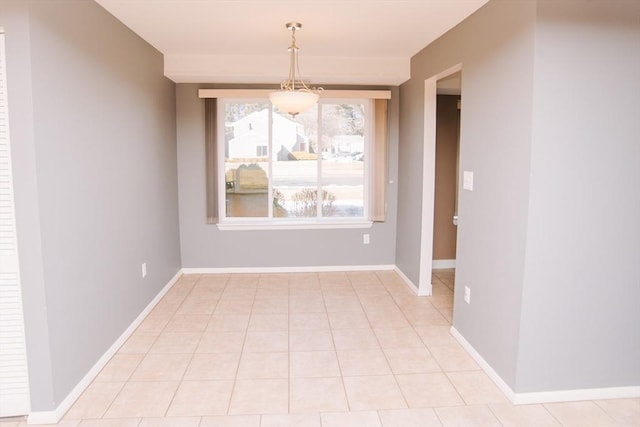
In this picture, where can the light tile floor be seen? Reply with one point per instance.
(313, 349)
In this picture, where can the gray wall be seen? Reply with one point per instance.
(548, 241)
(410, 177)
(580, 317)
(495, 47)
(204, 246)
(93, 129)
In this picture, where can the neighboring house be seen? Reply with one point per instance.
(248, 145)
(250, 136)
(348, 144)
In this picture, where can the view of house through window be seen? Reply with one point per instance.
(311, 166)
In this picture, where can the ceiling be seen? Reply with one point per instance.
(245, 41)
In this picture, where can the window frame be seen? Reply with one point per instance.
(270, 222)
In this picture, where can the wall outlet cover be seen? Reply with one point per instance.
(467, 180)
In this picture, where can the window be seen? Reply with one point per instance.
(261, 151)
(313, 169)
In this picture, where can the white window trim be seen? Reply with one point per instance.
(293, 225)
(233, 224)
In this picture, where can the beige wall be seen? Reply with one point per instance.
(447, 129)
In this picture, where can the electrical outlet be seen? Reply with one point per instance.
(365, 239)
(144, 270)
(467, 295)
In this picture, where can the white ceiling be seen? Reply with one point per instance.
(245, 41)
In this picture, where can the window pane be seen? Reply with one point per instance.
(246, 159)
(343, 152)
(295, 164)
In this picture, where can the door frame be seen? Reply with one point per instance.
(15, 398)
(429, 178)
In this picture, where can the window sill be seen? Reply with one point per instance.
(294, 225)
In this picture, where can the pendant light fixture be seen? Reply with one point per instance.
(294, 95)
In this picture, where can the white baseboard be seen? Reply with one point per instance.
(412, 287)
(544, 396)
(303, 269)
(415, 289)
(44, 417)
(52, 417)
(310, 269)
(443, 263)
(577, 395)
(503, 386)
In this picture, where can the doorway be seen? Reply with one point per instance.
(451, 76)
(14, 382)
(448, 106)
(446, 171)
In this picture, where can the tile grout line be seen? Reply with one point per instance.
(244, 341)
(393, 374)
(413, 327)
(139, 421)
(194, 350)
(600, 407)
(147, 352)
(335, 349)
(494, 414)
(442, 370)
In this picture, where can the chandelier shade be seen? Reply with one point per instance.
(293, 101)
(294, 96)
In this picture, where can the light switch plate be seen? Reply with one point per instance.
(467, 180)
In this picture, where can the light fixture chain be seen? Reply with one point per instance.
(293, 38)
(291, 99)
